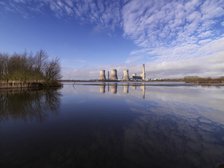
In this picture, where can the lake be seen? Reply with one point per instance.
(113, 125)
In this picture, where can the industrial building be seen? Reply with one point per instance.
(125, 75)
(140, 77)
(136, 77)
(143, 72)
(112, 75)
(102, 75)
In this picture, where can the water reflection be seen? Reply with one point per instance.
(28, 104)
(134, 87)
(178, 134)
(142, 87)
(126, 89)
(102, 88)
(113, 88)
(174, 141)
(172, 127)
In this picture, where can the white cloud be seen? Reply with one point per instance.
(212, 9)
(222, 23)
(157, 23)
(178, 35)
(203, 66)
(205, 59)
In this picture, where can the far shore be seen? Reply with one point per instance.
(42, 84)
(162, 82)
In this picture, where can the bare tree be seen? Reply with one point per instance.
(52, 71)
(40, 63)
(25, 67)
(3, 66)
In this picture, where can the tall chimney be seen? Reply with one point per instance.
(143, 72)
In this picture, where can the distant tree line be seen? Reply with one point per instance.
(29, 67)
(203, 80)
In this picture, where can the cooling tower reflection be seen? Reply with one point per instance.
(113, 88)
(102, 88)
(126, 88)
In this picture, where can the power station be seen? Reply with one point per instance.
(142, 76)
(125, 75)
(143, 72)
(102, 75)
(112, 75)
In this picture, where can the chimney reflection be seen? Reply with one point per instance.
(102, 88)
(113, 88)
(142, 87)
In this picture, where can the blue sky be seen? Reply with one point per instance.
(173, 38)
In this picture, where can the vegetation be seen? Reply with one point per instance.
(29, 68)
(201, 80)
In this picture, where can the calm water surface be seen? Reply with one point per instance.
(113, 126)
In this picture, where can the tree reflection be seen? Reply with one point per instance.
(28, 104)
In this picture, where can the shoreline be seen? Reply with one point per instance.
(36, 85)
(29, 84)
(146, 83)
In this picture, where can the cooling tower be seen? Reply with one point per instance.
(102, 75)
(113, 74)
(143, 72)
(126, 75)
